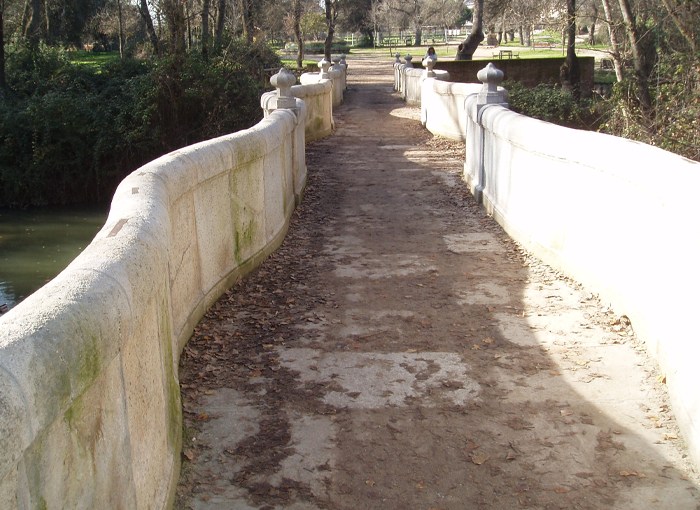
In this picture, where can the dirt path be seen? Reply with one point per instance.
(400, 352)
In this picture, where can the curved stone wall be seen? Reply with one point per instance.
(90, 413)
(442, 107)
(617, 215)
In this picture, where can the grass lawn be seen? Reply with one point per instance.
(90, 58)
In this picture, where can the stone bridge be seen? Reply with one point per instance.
(398, 344)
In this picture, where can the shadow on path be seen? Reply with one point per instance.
(400, 352)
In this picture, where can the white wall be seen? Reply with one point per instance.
(618, 215)
(90, 413)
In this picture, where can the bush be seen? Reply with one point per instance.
(550, 103)
(673, 124)
(71, 133)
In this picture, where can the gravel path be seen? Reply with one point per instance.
(400, 352)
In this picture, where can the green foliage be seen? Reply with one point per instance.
(364, 41)
(550, 103)
(70, 133)
(674, 123)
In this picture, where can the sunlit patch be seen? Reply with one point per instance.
(406, 112)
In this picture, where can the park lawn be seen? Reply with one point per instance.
(92, 59)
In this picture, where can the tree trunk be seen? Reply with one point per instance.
(640, 65)
(146, 16)
(528, 36)
(686, 24)
(521, 35)
(614, 44)
(3, 82)
(330, 21)
(570, 72)
(466, 49)
(220, 18)
(177, 26)
(296, 13)
(121, 29)
(591, 33)
(48, 27)
(247, 29)
(205, 26)
(33, 27)
(419, 34)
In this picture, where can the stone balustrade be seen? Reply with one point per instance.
(90, 412)
(614, 214)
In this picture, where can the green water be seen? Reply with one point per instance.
(37, 244)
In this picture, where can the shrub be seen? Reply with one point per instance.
(71, 133)
(550, 103)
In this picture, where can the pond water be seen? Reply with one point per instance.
(36, 244)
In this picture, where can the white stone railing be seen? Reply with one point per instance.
(90, 413)
(617, 215)
(408, 80)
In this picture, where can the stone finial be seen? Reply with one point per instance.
(283, 82)
(342, 60)
(324, 65)
(490, 76)
(429, 63)
(408, 59)
(397, 55)
(336, 60)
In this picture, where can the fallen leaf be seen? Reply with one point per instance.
(488, 340)
(582, 363)
(476, 347)
(497, 356)
(628, 473)
(561, 490)
(202, 417)
(188, 453)
(420, 485)
(523, 487)
(208, 392)
(555, 373)
(661, 378)
(670, 436)
(566, 412)
(480, 459)
(411, 350)
(511, 456)
(255, 373)
(471, 445)
(370, 483)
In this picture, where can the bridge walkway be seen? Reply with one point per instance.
(400, 352)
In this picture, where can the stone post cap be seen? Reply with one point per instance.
(342, 59)
(324, 65)
(397, 55)
(429, 63)
(336, 59)
(408, 59)
(490, 76)
(283, 82)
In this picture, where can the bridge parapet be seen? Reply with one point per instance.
(610, 213)
(90, 413)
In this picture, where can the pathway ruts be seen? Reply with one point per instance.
(400, 352)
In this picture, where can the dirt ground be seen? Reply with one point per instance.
(400, 352)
